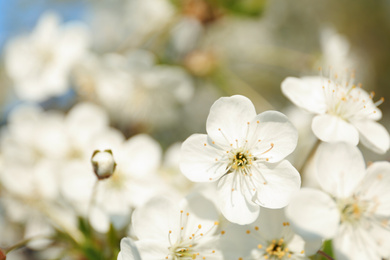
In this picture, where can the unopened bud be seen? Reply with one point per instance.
(103, 164)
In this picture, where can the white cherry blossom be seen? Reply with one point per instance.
(168, 229)
(244, 152)
(269, 237)
(40, 63)
(352, 208)
(344, 111)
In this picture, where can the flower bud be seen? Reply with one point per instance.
(103, 163)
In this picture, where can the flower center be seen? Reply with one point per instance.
(352, 210)
(241, 159)
(276, 249)
(346, 100)
(186, 245)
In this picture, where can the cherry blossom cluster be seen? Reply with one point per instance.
(132, 144)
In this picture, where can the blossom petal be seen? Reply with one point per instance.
(306, 93)
(202, 212)
(332, 129)
(152, 249)
(373, 135)
(228, 119)
(233, 202)
(271, 225)
(354, 242)
(129, 250)
(154, 219)
(313, 214)
(139, 156)
(340, 168)
(236, 243)
(375, 187)
(274, 135)
(275, 184)
(199, 160)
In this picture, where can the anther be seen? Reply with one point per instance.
(380, 101)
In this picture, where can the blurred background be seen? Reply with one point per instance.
(223, 47)
(156, 66)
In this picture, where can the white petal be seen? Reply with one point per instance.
(201, 212)
(355, 243)
(154, 219)
(129, 250)
(198, 159)
(139, 156)
(340, 168)
(282, 180)
(375, 188)
(373, 135)
(236, 243)
(313, 214)
(234, 205)
(312, 246)
(380, 233)
(231, 115)
(99, 220)
(270, 222)
(152, 249)
(306, 93)
(275, 131)
(332, 129)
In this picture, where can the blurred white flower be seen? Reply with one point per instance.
(336, 50)
(244, 152)
(128, 18)
(41, 151)
(134, 89)
(39, 64)
(353, 207)
(269, 237)
(170, 230)
(185, 36)
(170, 170)
(344, 111)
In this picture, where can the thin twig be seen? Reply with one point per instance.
(92, 201)
(309, 156)
(324, 255)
